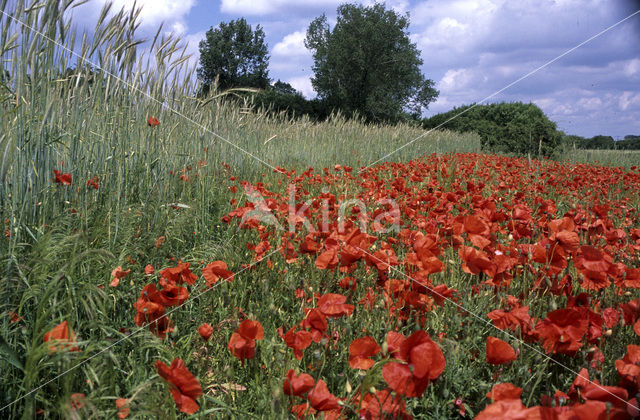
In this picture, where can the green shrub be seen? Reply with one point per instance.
(505, 127)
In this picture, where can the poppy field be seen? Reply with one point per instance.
(172, 257)
(461, 285)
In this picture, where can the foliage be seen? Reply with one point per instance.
(282, 98)
(630, 142)
(504, 127)
(367, 64)
(600, 142)
(233, 55)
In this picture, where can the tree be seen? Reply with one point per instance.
(630, 142)
(504, 127)
(281, 98)
(600, 142)
(235, 55)
(367, 64)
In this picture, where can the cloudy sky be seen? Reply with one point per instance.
(470, 48)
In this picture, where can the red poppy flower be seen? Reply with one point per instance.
(383, 405)
(562, 331)
(179, 273)
(630, 311)
(161, 327)
(383, 259)
(153, 121)
(183, 386)
(475, 261)
(301, 411)
(629, 369)
(149, 270)
(117, 274)
(394, 341)
(122, 404)
(216, 270)
(321, 399)
(205, 331)
(518, 317)
(499, 352)
(298, 341)
(504, 409)
(60, 178)
(504, 391)
(149, 309)
(316, 322)
(170, 295)
(146, 309)
(77, 401)
(593, 259)
(93, 182)
(243, 341)
(62, 338)
(14, 317)
(333, 305)
(297, 384)
(348, 283)
(423, 362)
(598, 410)
(308, 245)
(632, 277)
(328, 259)
(611, 317)
(360, 351)
(569, 240)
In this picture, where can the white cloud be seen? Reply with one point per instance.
(156, 11)
(399, 6)
(590, 104)
(249, 7)
(632, 67)
(178, 28)
(477, 47)
(628, 99)
(265, 7)
(291, 45)
(192, 42)
(303, 84)
(172, 14)
(455, 79)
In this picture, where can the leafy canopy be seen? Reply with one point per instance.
(367, 64)
(503, 127)
(235, 55)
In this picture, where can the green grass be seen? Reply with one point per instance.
(623, 158)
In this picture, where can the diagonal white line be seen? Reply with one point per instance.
(505, 88)
(138, 330)
(134, 88)
(505, 332)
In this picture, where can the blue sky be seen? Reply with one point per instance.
(470, 48)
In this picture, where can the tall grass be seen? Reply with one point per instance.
(624, 158)
(79, 103)
(92, 120)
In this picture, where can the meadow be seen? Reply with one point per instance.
(155, 265)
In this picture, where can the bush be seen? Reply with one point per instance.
(282, 97)
(505, 127)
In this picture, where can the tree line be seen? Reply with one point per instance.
(601, 142)
(366, 66)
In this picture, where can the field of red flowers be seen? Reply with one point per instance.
(452, 286)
